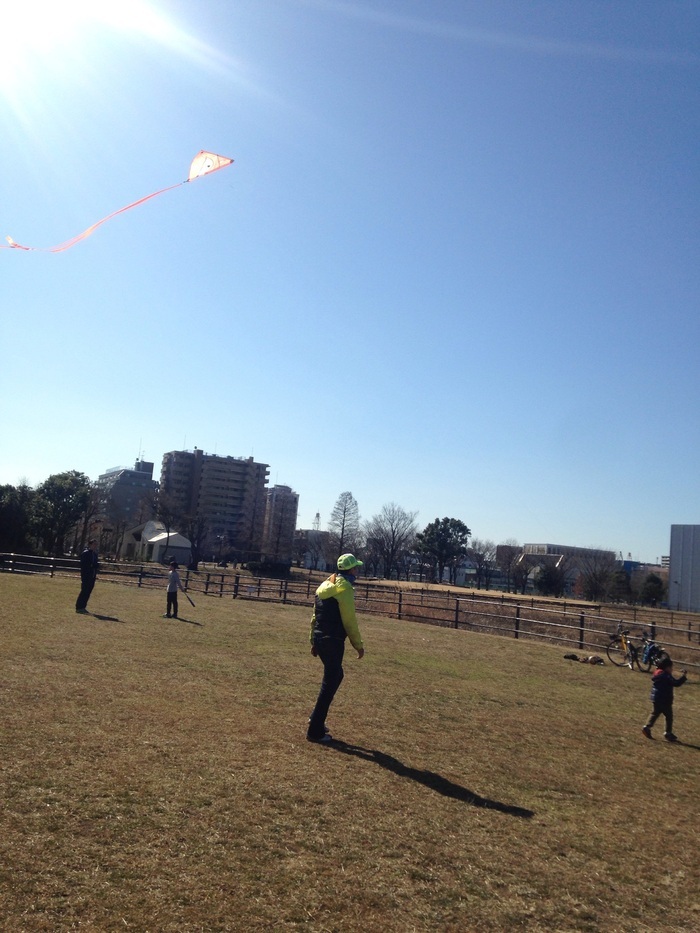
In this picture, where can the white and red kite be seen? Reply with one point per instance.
(204, 163)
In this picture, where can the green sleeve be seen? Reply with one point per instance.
(346, 601)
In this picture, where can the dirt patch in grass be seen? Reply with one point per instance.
(155, 777)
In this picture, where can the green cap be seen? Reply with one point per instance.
(348, 562)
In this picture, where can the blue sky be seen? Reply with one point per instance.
(454, 265)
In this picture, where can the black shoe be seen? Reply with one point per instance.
(326, 730)
(670, 737)
(324, 740)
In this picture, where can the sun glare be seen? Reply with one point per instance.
(52, 35)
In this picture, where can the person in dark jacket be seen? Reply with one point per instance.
(663, 683)
(332, 622)
(88, 575)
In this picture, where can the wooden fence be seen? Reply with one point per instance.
(581, 627)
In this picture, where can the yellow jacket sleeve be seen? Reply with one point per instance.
(346, 602)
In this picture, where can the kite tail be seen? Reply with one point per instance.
(90, 229)
(203, 164)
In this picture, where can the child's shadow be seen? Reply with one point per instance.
(429, 779)
(106, 618)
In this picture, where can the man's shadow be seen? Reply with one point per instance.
(102, 618)
(428, 778)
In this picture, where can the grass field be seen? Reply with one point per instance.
(155, 777)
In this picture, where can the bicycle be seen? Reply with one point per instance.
(651, 653)
(621, 651)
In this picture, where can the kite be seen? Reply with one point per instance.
(204, 163)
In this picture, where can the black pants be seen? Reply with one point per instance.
(330, 651)
(172, 605)
(87, 586)
(662, 709)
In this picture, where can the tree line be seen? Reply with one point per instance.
(55, 519)
(392, 546)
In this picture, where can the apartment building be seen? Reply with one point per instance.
(281, 508)
(228, 494)
(127, 496)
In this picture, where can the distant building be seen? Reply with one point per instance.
(127, 496)
(226, 493)
(281, 507)
(566, 550)
(684, 568)
(151, 542)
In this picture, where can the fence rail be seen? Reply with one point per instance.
(583, 626)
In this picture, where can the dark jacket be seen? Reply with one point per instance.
(662, 686)
(88, 565)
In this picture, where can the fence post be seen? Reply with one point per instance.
(400, 608)
(457, 612)
(53, 566)
(284, 591)
(581, 629)
(140, 574)
(517, 621)
(221, 587)
(206, 585)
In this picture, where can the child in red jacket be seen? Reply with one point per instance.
(663, 683)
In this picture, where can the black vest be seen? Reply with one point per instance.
(328, 623)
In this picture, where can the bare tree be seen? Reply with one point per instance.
(196, 530)
(315, 545)
(483, 555)
(168, 513)
(506, 556)
(522, 568)
(597, 569)
(344, 525)
(390, 534)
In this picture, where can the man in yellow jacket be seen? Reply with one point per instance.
(332, 622)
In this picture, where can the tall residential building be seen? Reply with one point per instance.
(281, 507)
(127, 497)
(226, 493)
(684, 568)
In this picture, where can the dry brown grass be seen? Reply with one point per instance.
(155, 777)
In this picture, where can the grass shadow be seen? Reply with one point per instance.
(102, 618)
(429, 779)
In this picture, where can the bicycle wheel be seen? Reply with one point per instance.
(616, 654)
(644, 666)
(634, 657)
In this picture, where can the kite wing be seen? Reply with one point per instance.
(203, 164)
(206, 162)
